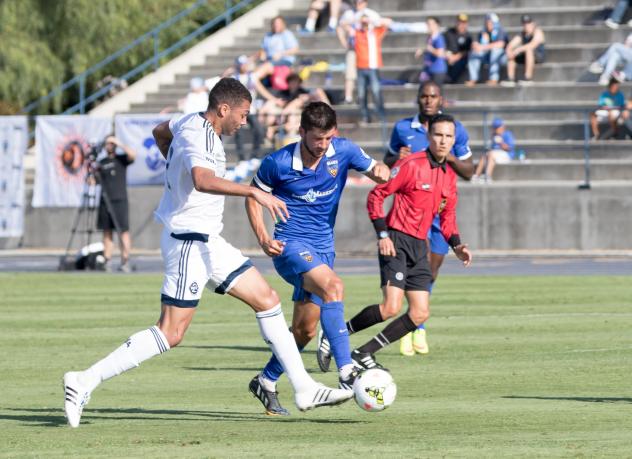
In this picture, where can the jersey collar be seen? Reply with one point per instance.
(434, 163)
(297, 161)
(416, 122)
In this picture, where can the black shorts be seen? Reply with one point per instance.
(120, 209)
(538, 53)
(410, 268)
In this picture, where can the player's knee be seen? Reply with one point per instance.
(334, 290)
(390, 309)
(269, 300)
(419, 316)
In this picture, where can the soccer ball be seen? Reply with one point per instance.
(374, 390)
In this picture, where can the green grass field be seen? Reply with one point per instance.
(518, 367)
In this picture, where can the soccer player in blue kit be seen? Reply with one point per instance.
(309, 176)
(410, 136)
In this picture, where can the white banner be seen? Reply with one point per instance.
(135, 132)
(62, 146)
(13, 145)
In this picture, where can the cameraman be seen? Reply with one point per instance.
(112, 164)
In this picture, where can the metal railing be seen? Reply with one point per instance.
(231, 9)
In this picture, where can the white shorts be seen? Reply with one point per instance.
(500, 156)
(191, 265)
(604, 115)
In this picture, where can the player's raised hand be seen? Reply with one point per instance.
(273, 247)
(386, 247)
(276, 207)
(404, 151)
(463, 253)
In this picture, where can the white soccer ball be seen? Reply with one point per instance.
(374, 390)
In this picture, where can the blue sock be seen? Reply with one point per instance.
(333, 324)
(273, 369)
(423, 326)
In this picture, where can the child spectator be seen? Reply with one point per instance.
(368, 46)
(435, 66)
(501, 152)
(458, 45)
(611, 109)
(526, 48)
(490, 48)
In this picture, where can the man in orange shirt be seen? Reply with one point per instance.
(368, 47)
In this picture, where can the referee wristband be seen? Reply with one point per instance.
(454, 241)
(379, 225)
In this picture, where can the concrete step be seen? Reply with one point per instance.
(466, 6)
(563, 170)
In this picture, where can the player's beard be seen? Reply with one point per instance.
(312, 154)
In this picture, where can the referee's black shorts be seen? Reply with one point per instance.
(120, 210)
(410, 268)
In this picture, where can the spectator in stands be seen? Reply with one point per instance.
(368, 46)
(278, 52)
(611, 109)
(242, 71)
(616, 17)
(315, 9)
(617, 55)
(349, 22)
(489, 48)
(526, 48)
(458, 45)
(435, 66)
(195, 101)
(501, 152)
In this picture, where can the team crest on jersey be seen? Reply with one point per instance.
(394, 172)
(306, 256)
(444, 201)
(332, 167)
(194, 288)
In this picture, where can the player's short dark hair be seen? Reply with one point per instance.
(318, 115)
(440, 118)
(228, 91)
(434, 18)
(423, 86)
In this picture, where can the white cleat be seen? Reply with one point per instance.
(321, 395)
(75, 398)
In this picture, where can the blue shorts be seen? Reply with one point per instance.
(298, 258)
(438, 244)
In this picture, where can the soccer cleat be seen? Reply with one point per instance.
(406, 345)
(269, 399)
(75, 398)
(348, 382)
(323, 353)
(364, 360)
(420, 344)
(321, 395)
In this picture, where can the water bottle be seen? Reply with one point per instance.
(522, 156)
(328, 79)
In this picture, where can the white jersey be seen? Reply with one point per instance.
(182, 208)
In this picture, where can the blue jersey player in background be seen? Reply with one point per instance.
(410, 136)
(309, 177)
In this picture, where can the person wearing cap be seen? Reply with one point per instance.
(501, 151)
(435, 66)
(489, 48)
(458, 45)
(526, 48)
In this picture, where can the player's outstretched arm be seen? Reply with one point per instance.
(380, 173)
(270, 246)
(163, 137)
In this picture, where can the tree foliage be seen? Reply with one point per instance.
(47, 42)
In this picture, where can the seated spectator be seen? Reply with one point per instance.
(611, 109)
(526, 48)
(458, 45)
(489, 48)
(315, 9)
(368, 46)
(616, 17)
(196, 99)
(278, 50)
(435, 67)
(617, 55)
(501, 152)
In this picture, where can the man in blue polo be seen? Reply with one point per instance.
(410, 136)
(309, 177)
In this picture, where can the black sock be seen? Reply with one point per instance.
(391, 333)
(364, 319)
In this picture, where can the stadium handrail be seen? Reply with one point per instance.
(231, 8)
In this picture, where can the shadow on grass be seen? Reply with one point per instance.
(241, 348)
(45, 417)
(575, 399)
(250, 370)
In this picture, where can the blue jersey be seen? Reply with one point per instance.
(311, 196)
(412, 133)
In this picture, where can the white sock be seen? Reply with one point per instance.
(333, 22)
(345, 370)
(139, 347)
(310, 24)
(275, 332)
(268, 385)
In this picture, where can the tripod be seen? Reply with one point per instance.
(87, 212)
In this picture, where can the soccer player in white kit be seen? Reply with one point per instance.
(195, 255)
